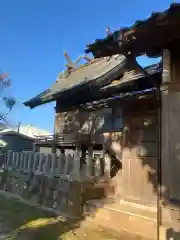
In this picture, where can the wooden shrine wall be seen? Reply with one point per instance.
(140, 155)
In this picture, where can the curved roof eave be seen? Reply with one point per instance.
(96, 74)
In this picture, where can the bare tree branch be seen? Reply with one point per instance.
(7, 101)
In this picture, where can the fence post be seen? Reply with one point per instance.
(68, 168)
(59, 165)
(65, 170)
(14, 160)
(30, 161)
(107, 165)
(97, 167)
(46, 163)
(36, 161)
(17, 160)
(76, 171)
(9, 158)
(25, 161)
(39, 170)
(22, 161)
(62, 162)
(89, 161)
(53, 162)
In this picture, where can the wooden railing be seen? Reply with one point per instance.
(63, 139)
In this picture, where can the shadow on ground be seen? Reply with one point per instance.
(20, 221)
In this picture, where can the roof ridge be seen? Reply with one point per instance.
(64, 74)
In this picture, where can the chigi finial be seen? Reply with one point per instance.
(108, 31)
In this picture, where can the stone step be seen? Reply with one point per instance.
(138, 220)
(149, 212)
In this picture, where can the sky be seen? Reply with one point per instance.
(35, 33)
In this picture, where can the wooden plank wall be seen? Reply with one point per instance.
(171, 107)
(174, 148)
(171, 127)
(140, 154)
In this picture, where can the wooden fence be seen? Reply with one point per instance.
(50, 180)
(39, 163)
(63, 165)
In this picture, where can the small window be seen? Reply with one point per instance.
(117, 119)
(113, 120)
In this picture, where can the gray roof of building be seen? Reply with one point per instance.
(86, 73)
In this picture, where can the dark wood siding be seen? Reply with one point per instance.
(79, 120)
